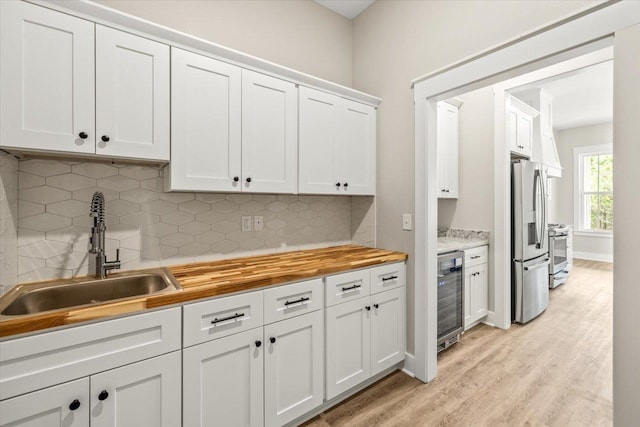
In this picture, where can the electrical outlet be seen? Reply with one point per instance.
(406, 221)
(246, 223)
(258, 223)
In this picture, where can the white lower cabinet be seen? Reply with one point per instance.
(294, 368)
(142, 394)
(348, 345)
(364, 337)
(222, 381)
(476, 285)
(388, 336)
(64, 405)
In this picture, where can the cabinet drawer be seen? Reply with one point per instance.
(476, 256)
(293, 300)
(220, 317)
(50, 358)
(388, 276)
(346, 287)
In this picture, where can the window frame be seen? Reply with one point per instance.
(579, 153)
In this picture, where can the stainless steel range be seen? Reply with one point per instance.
(559, 253)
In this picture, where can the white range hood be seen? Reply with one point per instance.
(544, 142)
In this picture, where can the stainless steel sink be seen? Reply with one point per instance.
(37, 298)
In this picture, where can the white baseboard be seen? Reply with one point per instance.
(409, 365)
(591, 256)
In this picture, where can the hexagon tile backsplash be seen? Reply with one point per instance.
(152, 228)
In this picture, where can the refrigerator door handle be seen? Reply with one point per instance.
(537, 207)
(546, 261)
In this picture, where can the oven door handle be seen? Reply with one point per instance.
(538, 265)
(560, 237)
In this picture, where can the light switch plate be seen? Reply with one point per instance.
(406, 221)
(246, 223)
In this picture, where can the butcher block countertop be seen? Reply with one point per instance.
(216, 278)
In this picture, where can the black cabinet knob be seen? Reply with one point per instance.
(346, 184)
(236, 179)
(376, 305)
(83, 135)
(258, 343)
(248, 179)
(272, 340)
(74, 405)
(368, 307)
(337, 184)
(105, 138)
(103, 395)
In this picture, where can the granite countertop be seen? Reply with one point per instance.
(451, 239)
(210, 279)
(450, 244)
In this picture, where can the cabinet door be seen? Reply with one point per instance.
(269, 134)
(481, 291)
(388, 323)
(46, 79)
(524, 130)
(206, 123)
(319, 118)
(293, 368)
(355, 153)
(348, 345)
(49, 407)
(512, 129)
(476, 294)
(132, 96)
(469, 278)
(222, 381)
(143, 394)
(447, 150)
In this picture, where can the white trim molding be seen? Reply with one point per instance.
(582, 33)
(592, 256)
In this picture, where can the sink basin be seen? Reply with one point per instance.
(34, 298)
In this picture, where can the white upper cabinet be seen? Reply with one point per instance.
(132, 96)
(447, 150)
(46, 79)
(65, 91)
(519, 121)
(269, 134)
(544, 144)
(357, 147)
(337, 145)
(206, 124)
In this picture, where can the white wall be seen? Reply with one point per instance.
(397, 41)
(473, 209)
(298, 34)
(626, 152)
(589, 247)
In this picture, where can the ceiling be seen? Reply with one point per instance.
(582, 97)
(347, 8)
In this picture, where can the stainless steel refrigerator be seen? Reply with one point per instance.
(529, 241)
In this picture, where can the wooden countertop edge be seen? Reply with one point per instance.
(190, 292)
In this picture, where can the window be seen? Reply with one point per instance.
(593, 183)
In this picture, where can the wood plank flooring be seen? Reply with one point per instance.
(554, 371)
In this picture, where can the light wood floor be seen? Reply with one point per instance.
(554, 371)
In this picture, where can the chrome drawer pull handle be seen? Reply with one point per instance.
(350, 288)
(235, 316)
(303, 299)
(384, 279)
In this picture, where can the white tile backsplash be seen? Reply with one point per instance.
(8, 221)
(152, 228)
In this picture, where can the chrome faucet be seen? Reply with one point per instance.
(97, 238)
